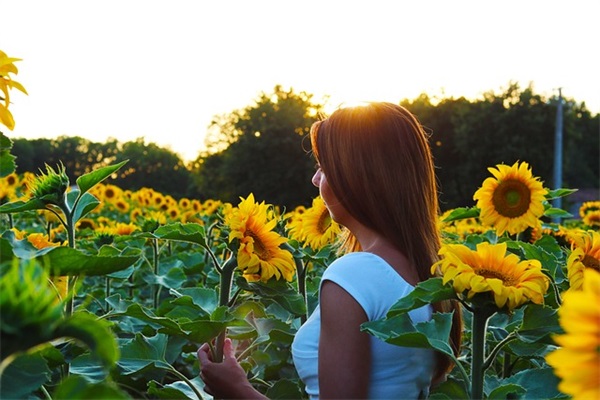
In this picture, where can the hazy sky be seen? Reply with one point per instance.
(162, 69)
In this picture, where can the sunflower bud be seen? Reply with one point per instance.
(51, 186)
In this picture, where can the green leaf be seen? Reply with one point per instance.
(449, 389)
(87, 366)
(539, 324)
(87, 203)
(165, 325)
(78, 388)
(540, 383)
(399, 330)
(546, 251)
(67, 261)
(24, 375)
(94, 333)
(141, 352)
(279, 291)
(462, 213)
(7, 160)
(20, 206)
(6, 250)
(204, 298)
(285, 389)
(426, 292)
(509, 391)
(556, 193)
(87, 181)
(178, 390)
(557, 212)
(190, 232)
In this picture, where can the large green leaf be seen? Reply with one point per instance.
(95, 333)
(67, 261)
(540, 383)
(205, 298)
(190, 232)
(78, 388)
(23, 376)
(279, 291)
(399, 330)
(87, 181)
(20, 206)
(179, 390)
(426, 292)
(141, 352)
(539, 324)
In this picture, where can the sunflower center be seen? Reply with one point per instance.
(511, 198)
(324, 222)
(591, 262)
(491, 274)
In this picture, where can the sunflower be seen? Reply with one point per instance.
(314, 226)
(173, 212)
(512, 200)
(589, 206)
(489, 269)
(585, 254)
(577, 361)
(592, 218)
(259, 254)
(122, 205)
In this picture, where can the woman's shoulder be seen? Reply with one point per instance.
(362, 266)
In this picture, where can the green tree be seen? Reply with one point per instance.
(154, 167)
(262, 149)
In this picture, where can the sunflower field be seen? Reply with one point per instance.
(108, 293)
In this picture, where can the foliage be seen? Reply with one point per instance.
(266, 151)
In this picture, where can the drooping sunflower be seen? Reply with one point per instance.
(259, 255)
(490, 269)
(314, 226)
(512, 200)
(585, 254)
(577, 361)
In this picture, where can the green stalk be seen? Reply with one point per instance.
(301, 272)
(155, 265)
(481, 315)
(224, 292)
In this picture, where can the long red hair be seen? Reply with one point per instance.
(379, 165)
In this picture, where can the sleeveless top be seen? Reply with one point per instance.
(396, 372)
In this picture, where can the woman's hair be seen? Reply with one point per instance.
(379, 165)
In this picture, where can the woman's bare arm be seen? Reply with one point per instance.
(344, 351)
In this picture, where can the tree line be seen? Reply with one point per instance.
(264, 148)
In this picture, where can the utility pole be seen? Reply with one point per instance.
(558, 151)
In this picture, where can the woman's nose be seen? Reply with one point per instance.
(316, 179)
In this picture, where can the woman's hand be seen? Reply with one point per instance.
(227, 379)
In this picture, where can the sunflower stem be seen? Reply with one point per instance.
(511, 336)
(155, 265)
(227, 271)
(481, 315)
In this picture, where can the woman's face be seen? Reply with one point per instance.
(334, 206)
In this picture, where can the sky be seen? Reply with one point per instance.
(161, 70)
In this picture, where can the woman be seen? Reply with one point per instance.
(376, 176)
